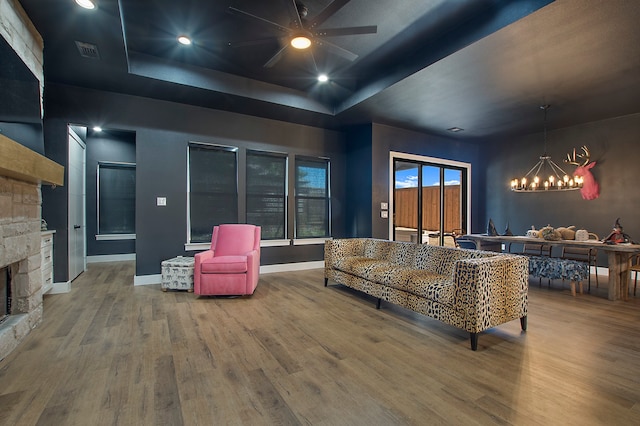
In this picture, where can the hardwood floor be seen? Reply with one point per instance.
(109, 353)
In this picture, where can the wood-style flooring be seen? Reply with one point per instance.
(109, 353)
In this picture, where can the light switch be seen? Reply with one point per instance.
(384, 214)
(161, 201)
(384, 206)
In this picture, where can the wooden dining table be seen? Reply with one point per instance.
(618, 256)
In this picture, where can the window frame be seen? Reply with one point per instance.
(112, 236)
(285, 195)
(298, 240)
(199, 245)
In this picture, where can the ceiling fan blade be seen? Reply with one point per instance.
(330, 32)
(333, 7)
(275, 58)
(313, 61)
(344, 53)
(253, 17)
(293, 11)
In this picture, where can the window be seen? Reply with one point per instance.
(267, 193)
(116, 198)
(213, 189)
(430, 199)
(312, 198)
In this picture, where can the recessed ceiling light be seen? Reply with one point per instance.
(455, 129)
(323, 78)
(97, 128)
(300, 42)
(183, 39)
(87, 4)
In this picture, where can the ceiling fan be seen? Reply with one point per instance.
(301, 32)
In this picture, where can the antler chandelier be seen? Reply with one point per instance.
(546, 175)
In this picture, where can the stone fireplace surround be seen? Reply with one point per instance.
(20, 209)
(22, 172)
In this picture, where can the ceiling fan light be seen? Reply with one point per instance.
(87, 4)
(300, 42)
(323, 78)
(183, 39)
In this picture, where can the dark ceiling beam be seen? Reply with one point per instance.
(159, 69)
(444, 33)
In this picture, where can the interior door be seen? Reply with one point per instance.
(77, 198)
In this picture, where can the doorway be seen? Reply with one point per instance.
(430, 199)
(77, 197)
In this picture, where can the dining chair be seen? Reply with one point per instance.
(536, 249)
(635, 268)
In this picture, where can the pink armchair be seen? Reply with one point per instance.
(232, 265)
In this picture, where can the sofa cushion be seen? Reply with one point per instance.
(402, 253)
(224, 265)
(389, 274)
(377, 249)
(429, 257)
(436, 287)
(355, 265)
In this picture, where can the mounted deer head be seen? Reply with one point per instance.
(590, 189)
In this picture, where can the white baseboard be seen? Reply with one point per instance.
(60, 288)
(286, 267)
(266, 269)
(147, 279)
(599, 270)
(111, 258)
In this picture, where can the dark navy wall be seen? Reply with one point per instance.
(612, 143)
(114, 146)
(27, 134)
(359, 181)
(163, 130)
(54, 199)
(386, 139)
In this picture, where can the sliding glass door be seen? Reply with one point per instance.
(429, 201)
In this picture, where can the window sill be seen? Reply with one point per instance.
(115, 237)
(263, 243)
(310, 241)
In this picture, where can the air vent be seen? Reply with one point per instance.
(88, 50)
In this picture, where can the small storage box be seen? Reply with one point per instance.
(177, 274)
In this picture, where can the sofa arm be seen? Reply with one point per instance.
(491, 291)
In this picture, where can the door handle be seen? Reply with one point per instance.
(76, 226)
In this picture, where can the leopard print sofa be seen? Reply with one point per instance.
(469, 289)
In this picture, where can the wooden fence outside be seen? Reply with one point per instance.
(406, 213)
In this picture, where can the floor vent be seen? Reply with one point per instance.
(88, 50)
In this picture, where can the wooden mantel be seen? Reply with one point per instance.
(21, 163)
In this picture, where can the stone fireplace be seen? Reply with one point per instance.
(20, 206)
(22, 172)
